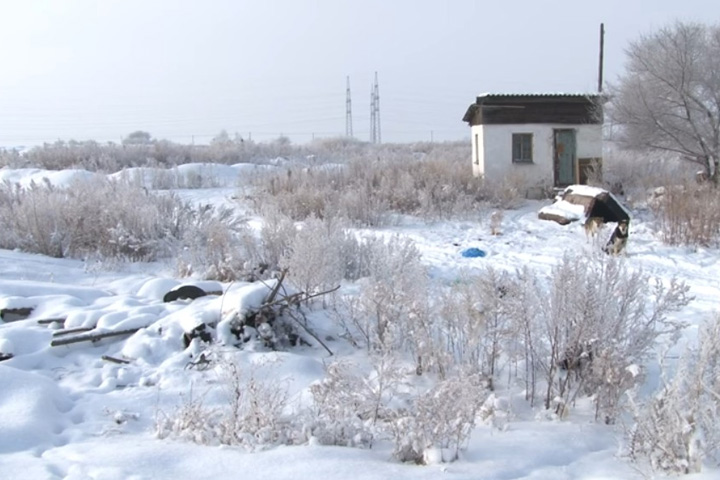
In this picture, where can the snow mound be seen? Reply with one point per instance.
(32, 407)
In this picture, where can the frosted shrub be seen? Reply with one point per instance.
(634, 172)
(314, 260)
(251, 414)
(112, 220)
(427, 180)
(349, 408)
(317, 253)
(508, 194)
(392, 295)
(439, 421)
(32, 221)
(191, 421)
(334, 420)
(474, 325)
(217, 245)
(679, 427)
(493, 291)
(363, 207)
(462, 325)
(277, 235)
(688, 214)
(254, 414)
(597, 325)
(393, 311)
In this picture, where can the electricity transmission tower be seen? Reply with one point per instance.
(375, 112)
(348, 111)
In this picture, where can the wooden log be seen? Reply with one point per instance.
(121, 361)
(14, 314)
(92, 337)
(60, 333)
(48, 321)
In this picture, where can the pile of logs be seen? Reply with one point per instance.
(273, 322)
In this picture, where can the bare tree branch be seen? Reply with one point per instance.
(669, 97)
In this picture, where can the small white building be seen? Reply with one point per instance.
(543, 140)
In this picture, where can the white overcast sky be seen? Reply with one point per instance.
(186, 69)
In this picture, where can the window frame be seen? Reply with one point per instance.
(525, 147)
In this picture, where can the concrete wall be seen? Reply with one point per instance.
(494, 159)
(478, 151)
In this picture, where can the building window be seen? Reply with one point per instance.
(477, 150)
(522, 147)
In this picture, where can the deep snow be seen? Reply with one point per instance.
(66, 413)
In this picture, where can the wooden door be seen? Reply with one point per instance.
(565, 155)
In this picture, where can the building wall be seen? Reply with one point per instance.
(496, 152)
(478, 152)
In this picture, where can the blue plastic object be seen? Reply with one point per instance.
(473, 253)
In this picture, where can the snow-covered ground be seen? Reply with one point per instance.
(66, 413)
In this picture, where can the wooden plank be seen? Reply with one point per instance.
(120, 361)
(48, 321)
(92, 337)
(70, 331)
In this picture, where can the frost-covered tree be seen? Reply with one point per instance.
(138, 137)
(669, 97)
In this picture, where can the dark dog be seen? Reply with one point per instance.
(618, 239)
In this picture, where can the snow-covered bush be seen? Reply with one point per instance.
(493, 290)
(688, 214)
(97, 216)
(277, 235)
(252, 414)
(633, 173)
(679, 427)
(510, 193)
(217, 245)
(594, 328)
(350, 407)
(439, 420)
(432, 183)
(113, 220)
(393, 295)
(314, 260)
(191, 420)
